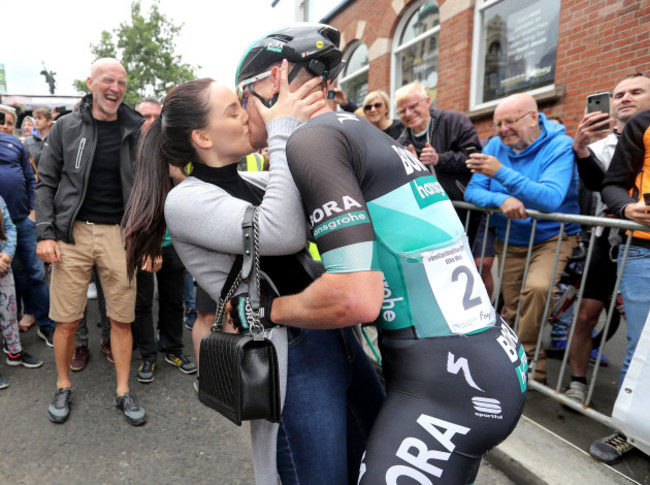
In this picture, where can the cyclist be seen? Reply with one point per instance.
(395, 253)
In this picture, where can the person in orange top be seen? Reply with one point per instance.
(624, 186)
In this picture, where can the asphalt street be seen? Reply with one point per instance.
(182, 442)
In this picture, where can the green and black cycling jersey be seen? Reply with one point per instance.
(372, 205)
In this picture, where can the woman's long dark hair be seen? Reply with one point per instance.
(167, 141)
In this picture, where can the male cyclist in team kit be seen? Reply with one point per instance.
(395, 253)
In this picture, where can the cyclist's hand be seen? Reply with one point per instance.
(241, 314)
(301, 104)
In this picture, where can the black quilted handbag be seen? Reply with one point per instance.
(239, 372)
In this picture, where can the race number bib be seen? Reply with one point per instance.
(458, 288)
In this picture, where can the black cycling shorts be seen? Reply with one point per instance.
(449, 401)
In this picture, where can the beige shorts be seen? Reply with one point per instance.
(98, 245)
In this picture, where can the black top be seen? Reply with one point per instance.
(103, 203)
(395, 130)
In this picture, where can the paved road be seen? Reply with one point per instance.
(579, 429)
(182, 442)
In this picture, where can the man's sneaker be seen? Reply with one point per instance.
(190, 318)
(611, 448)
(184, 364)
(79, 358)
(25, 359)
(133, 412)
(145, 371)
(4, 383)
(576, 391)
(59, 410)
(105, 347)
(47, 336)
(604, 361)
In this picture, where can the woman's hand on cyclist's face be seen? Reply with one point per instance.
(306, 100)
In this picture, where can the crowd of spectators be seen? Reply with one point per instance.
(530, 163)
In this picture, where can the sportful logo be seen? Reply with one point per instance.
(487, 407)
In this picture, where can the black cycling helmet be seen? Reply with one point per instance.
(312, 46)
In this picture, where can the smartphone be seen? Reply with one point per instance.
(330, 94)
(2, 117)
(469, 150)
(599, 102)
(646, 198)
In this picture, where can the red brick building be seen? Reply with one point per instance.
(471, 53)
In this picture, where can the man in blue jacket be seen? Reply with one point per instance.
(528, 165)
(17, 184)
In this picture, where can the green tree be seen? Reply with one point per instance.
(145, 47)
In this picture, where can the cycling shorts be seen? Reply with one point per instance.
(449, 401)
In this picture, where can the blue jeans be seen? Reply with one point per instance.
(636, 298)
(188, 291)
(32, 286)
(333, 396)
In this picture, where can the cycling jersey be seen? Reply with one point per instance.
(455, 375)
(373, 206)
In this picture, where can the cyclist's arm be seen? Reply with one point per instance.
(326, 166)
(332, 301)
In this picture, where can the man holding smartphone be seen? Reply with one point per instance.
(594, 149)
(528, 165)
(625, 186)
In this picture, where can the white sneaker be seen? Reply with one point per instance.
(576, 391)
(91, 294)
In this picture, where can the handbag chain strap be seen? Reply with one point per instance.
(251, 262)
(254, 291)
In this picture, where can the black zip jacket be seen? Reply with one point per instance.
(450, 132)
(64, 168)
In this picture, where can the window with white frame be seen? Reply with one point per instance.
(415, 49)
(354, 77)
(515, 46)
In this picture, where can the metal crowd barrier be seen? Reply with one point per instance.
(589, 221)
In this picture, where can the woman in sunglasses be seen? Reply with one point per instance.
(375, 109)
(203, 129)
